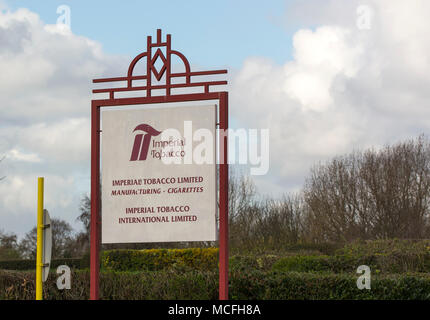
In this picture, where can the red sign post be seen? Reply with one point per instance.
(153, 54)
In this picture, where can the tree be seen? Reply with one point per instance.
(85, 216)
(62, 241)
(27, 245)
(8, 246)
(257, 222)
(82, 239)
(241, 203)
(371, 194)
(279, 221)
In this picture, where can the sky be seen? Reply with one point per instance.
(326, 77)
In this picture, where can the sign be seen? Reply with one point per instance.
(159, 174)
(47, 244)
(157, 81)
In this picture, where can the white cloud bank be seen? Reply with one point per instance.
(45, 85)
(347, 87)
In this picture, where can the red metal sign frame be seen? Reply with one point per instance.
(149, 98)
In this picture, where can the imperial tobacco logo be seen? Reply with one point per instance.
(142, 141)
(199, 146)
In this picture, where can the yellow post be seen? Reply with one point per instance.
(39, 256)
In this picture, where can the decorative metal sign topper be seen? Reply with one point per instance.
(166, 68)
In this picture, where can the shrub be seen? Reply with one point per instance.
(31, 264)
(379, 263)
(196, 285)
(187, 259)
(325, 248)
(393, 256)
(303, 264)
(85, 261)
(160, 259)
(245, 263)
(390, 246)
(18, 264)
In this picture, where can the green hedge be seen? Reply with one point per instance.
(244, 263)
(31, 264)
(384, 257)
(155, 259)
(195, 285)
(390, 247)
(379, 263)
(204, 259)
(160, 259)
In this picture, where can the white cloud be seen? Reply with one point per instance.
(19, 199)
(65, 141)
(345, 88)
(17, 155)
(319, 57)
(45, 84)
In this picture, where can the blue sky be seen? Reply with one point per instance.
(210, 33)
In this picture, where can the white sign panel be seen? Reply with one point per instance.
(159, 175)
(47, 245)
